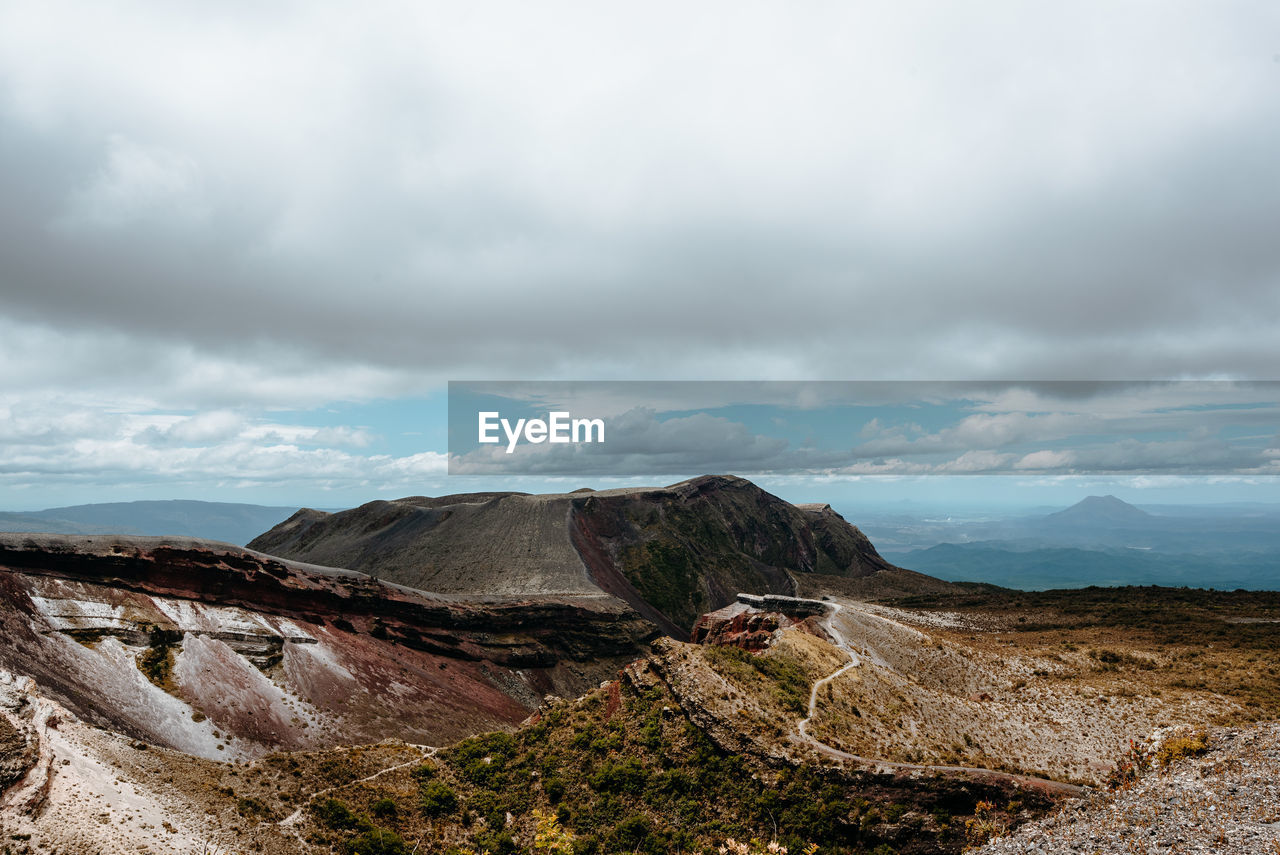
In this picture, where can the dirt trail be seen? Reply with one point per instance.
(292, 819)
(802, 727)
(829, 624)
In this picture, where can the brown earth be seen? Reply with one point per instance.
(670, 553)
(220, 651)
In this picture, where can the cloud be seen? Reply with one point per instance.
(811, 193)
(138, 186)
(237, 209)
(86, 446)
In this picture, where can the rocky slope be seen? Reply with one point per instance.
(846, 728)
(627, 768)
(670, 553)
(1225, 800)
(219, 651)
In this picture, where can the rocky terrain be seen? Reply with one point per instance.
(1226, 800)
(924, 693)
(670, 553)
(171, 696)
(222, 652)
(693, 744)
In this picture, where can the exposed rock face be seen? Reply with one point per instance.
(738, 625)
(18, 750)
(473, 545)
(741, 625)
(220, 651)
(670, 553)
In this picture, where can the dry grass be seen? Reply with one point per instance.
(1051, 685)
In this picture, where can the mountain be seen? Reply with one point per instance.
(1100, 511)
(179, 695)
(223, 521)
(1044, 568)
(1101, 540)
(221, 652)
(670, 553)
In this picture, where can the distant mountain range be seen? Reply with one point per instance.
(230, 522)
(1101, 540)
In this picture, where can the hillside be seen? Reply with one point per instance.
(189, 696)
(670, 553)
(1206, 791)
(219, 651)
(919, 728)
(916, 727)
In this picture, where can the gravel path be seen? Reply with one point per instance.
(833, 609)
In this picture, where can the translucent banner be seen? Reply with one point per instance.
(661, 428)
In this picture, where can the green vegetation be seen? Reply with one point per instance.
(336, 814)
(787, 682)
(368, 838)
(437, 799)
(384, 809)
(156, 661)
(379, 841)
(667, 576)
(621, 772)
(1175, 749)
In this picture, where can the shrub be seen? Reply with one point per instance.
(985, 824)
(335, 814)
(156, 662)
(378, 841)
(626, 776)
(437, 799)
(1132, 765)
(1175, 749)
(550, 837)
(497, 843)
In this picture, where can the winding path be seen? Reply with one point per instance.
(292, 819)
(802, 728)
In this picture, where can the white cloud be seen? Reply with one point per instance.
(227, 209)
(82, 443)
(139, 186)
(1046, 460)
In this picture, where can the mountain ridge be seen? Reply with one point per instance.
(218, 651)
(671, 553)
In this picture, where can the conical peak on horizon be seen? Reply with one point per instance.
(1108, 506)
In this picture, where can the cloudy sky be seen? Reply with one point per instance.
(243, 247)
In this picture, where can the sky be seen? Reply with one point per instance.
(244, 247)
